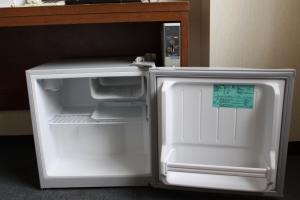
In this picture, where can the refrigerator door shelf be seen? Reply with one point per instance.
(216, 169)
(215, 181)
(220, 177)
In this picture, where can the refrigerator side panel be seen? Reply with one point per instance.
(34, 119)
(153, 129)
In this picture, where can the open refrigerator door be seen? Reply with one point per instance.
(220, 128)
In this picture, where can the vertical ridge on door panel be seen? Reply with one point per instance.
(199, 115)
(226, 125)
(209, 121)
(235, 125)
(191, 115)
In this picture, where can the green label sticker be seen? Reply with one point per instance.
(233, 96)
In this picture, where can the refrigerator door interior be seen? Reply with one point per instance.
(90, 124)
(220, 129)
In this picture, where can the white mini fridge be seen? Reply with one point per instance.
(105, 123)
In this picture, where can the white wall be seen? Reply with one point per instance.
(258, 33)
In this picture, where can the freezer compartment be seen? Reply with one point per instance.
(80, 137)
(117, 88)
(238, 145)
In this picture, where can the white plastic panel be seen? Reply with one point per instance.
(232, 144)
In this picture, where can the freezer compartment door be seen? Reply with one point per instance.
(219, 133)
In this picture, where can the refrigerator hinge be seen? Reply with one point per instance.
(164, 169)
(147, 61)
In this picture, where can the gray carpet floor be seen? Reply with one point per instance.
(19, 181)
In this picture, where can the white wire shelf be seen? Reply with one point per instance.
(77, 119)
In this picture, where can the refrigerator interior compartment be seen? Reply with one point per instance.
(75, 145)
(117, 88)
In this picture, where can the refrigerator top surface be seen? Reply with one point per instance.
(85, 66)
(94, 65)
(232, 68)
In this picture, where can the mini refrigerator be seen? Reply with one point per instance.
(106, 123)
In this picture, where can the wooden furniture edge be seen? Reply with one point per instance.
(95, 9)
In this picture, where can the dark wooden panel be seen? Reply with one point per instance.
(82, 9)
(93, 13)
(102, 13)
(25, 47)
